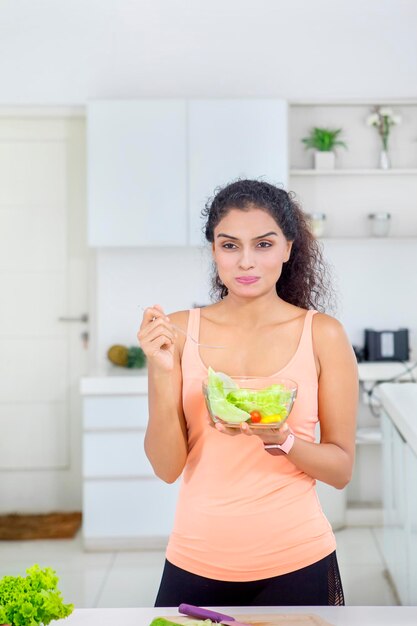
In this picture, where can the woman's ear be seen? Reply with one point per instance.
(288, 251)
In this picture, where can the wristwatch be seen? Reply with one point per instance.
(285, 447)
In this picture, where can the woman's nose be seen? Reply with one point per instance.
(246, 261)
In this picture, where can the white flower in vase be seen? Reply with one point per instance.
(383, 118)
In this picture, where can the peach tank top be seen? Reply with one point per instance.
(243, 514)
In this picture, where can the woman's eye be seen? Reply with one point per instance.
(262, 244)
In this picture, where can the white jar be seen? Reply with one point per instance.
(380, 224)
(317, 223)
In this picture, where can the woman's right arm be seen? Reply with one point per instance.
(166, 443)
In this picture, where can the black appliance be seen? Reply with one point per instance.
(386, 345)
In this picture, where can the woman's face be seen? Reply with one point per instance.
(249, 249)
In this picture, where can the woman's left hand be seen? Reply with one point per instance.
(267, 435)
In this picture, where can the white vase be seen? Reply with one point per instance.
(380, 224)
(384, 160)
(324, 160)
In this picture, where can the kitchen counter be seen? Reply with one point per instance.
(115, 381)
(112, 380)
(336, 615)
(371, 371)
(400, 402)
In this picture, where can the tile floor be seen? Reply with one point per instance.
(129, 579)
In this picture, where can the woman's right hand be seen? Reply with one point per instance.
(156, 337)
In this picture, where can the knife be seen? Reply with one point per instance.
(200, 613)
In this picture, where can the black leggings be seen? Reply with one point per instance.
(315, 585)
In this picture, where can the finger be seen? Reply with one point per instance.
(231, 432)
(156, 336)
(148, 335)
(158, 344)
(159, 327)
(154, 325)
(160, 311)
(245, 429)
(157, 323)
(152, 313)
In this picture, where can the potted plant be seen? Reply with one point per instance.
(33, 599)
(323, 141)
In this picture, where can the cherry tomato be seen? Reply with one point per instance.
(255, 416)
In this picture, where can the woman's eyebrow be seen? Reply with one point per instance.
(259, 236)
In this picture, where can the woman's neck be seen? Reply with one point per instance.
(252, 313)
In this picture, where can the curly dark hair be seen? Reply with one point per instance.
(305, 277)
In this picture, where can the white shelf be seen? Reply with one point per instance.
(354, 102)
(354, 172)
(365, 238)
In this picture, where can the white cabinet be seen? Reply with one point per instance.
(124, 504)
(230, 139)
(137, 173)
(394, 499)
(411, 498)
(152, 164)
(115, 454)
(127, 514)
(399, 446)
(400, 511)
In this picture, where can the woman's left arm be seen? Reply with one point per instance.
(331, 461)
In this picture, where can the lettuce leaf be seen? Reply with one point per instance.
(219, 404)
(272, 400)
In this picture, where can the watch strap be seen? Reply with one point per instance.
(285, 446)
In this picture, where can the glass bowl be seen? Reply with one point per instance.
(261, 402)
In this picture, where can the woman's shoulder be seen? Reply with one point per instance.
(179, 317)
(332, 347)
(328, 330)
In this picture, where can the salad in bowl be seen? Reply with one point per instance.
(262, 402)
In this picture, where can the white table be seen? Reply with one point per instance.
(338, 616)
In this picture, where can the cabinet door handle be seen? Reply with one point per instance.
(81, 318)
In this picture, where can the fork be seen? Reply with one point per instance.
(184, 332)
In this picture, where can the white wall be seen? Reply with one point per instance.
(377, 284)
(70, 51)
(175, 278)
(369, 278)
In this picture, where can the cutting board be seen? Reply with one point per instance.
(265, 619)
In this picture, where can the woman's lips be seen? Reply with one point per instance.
(247, 280)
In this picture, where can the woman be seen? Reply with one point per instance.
(249, 529)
